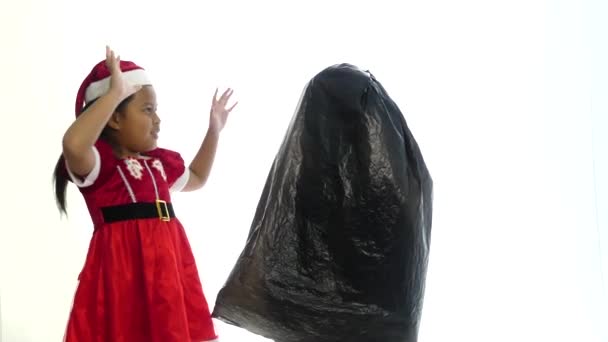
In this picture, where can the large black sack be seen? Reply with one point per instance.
(339, 245)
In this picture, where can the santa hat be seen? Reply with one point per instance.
(97, 83)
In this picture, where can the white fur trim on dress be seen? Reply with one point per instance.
(91, 177)
(181, 182)
(99, 88)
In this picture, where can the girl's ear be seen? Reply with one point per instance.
(114, 121)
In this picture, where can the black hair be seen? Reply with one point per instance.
(60, 175)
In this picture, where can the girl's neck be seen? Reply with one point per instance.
(124, 153)
(120, 151)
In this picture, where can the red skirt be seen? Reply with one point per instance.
(140, 283)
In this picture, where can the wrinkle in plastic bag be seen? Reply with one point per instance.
(338, 247)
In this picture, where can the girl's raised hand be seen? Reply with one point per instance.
(118, 85)
(219, 111)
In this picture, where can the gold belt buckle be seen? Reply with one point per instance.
(163, 214)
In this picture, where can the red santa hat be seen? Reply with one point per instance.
(97, 83)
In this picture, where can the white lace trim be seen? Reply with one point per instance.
(124, 179)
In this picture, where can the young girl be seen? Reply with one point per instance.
(140, 281)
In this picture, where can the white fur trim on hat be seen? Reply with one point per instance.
(99, 88)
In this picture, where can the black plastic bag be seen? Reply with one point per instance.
(339, 244)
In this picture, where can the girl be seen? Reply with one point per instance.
(140, 281)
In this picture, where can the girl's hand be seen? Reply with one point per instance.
(118, 85)
(219, 112)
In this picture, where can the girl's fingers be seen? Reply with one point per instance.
(215, 97)
(234, 105)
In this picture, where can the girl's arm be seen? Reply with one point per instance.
(201, 165)
(80, 137)
(200, 168)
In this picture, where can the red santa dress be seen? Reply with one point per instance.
(140, 281)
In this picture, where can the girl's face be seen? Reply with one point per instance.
(137, 125)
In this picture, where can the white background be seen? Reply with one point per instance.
(508, 101)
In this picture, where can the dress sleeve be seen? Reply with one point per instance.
(176, 172)
(104, 164)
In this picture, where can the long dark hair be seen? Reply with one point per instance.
(60, 175)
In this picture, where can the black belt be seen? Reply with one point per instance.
(133, 211)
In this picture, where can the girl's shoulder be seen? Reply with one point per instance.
(172, 165)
